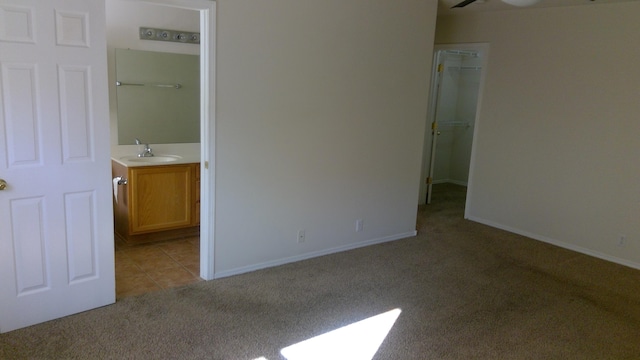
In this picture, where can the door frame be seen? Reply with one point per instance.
(479, 47)
(207, 10)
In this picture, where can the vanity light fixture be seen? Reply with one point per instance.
(147, 33)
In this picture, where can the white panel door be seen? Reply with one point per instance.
(56, 226)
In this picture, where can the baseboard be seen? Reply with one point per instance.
(457, 182)
(450, 181)
(565, 245)
(268, 264)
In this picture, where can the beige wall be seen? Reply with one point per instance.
(557, 150)
(320, 118)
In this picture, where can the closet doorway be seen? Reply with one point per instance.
(457, 78)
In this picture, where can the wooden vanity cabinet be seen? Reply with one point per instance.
(158, 202)
(196, 203)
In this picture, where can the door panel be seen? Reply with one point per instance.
(81, 241)
(75, 103)
(21, 122)
(56, 225)
(29, 253)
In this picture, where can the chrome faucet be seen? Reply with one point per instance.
(147, 152)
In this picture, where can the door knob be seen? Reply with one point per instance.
(3, 184)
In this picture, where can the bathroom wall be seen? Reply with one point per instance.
(158, 112)
(557, 140)
(124, 18)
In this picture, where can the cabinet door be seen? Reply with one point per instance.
(160, 197)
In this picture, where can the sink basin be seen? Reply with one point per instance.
(152, 159)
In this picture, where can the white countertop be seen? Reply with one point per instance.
(187, 153)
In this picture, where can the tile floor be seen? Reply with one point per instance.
(150, 267)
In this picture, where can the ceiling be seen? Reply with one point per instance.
(444, 6)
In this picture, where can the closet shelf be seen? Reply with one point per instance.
(462, 68)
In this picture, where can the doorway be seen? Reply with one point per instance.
(457, 78)
(188, 253)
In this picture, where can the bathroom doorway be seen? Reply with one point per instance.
(187, 253)
(457, 78)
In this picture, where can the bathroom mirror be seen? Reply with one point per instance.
(158, 97)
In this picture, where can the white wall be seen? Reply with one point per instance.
(446, 113)
(124, 18)
(557, 146)
(321, 109)
(469, 87)
(457, 106)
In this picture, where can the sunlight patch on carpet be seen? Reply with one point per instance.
(357, 341)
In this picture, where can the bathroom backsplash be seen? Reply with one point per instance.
(190, 151)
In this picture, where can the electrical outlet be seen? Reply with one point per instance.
(301, 236)
(359, 225)
(622, 239)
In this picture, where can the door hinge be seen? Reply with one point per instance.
(429, 180)
(440, 67)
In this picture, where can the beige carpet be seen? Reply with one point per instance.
(466, 291)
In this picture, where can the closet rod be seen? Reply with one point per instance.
(175, 86)
(465, 67)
